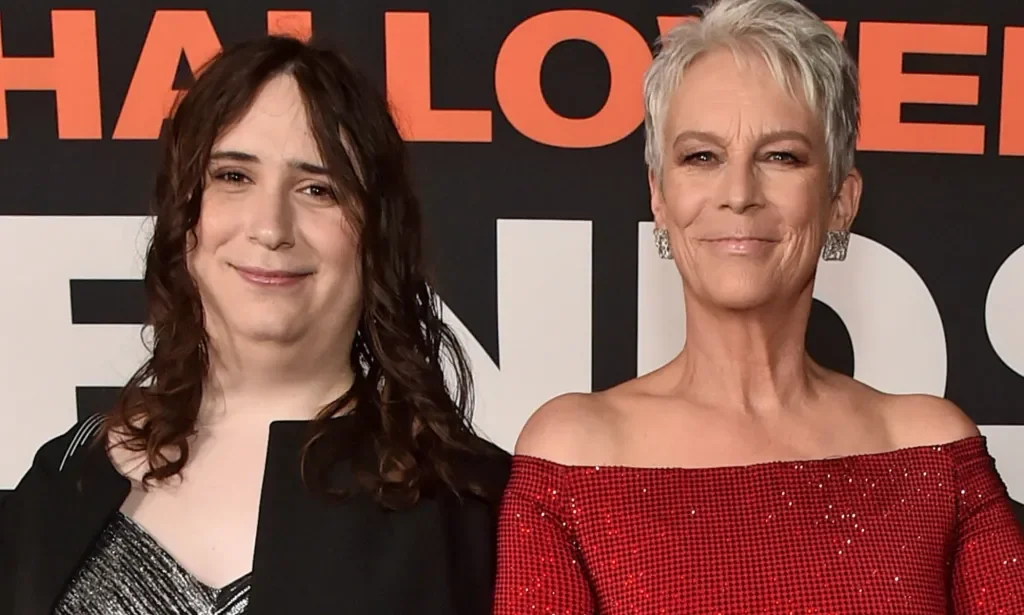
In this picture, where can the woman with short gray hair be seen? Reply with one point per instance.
(742, 476)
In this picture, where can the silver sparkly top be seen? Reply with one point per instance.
(129, 573)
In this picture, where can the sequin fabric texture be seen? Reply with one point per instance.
(128, 573)
(919, 531)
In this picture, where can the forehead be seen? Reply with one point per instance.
(275, 127)
(722, 94)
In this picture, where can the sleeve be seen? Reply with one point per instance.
(16, 506)
(540, 567)
(988, 559)
(11, 514)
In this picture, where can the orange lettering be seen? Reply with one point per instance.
(839, 27)
(296, 24)
(151, 93)
(1011, 126)
(517, 78)
(885, 87)
(407, 66)
(72, 73)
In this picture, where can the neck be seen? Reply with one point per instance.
(264, 382)
(752, 360)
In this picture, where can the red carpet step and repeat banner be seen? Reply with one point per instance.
(524, 118)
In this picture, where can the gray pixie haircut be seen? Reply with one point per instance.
(803, 53)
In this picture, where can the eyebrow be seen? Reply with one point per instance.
(301, 165)
(770, 137)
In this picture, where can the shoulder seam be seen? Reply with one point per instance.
(86, 429)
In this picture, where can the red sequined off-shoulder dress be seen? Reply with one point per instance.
(917, 531)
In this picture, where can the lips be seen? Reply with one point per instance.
(741, 238)
(272, 277)
(740, 245)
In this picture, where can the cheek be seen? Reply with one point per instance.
(806, 228)
(199, 261)
(802, 201)
(804, 218)
(338, 250)
(684, 199)
(805, 222)
(216, 226)
(196, 248)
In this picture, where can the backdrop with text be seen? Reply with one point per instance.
(525, 123)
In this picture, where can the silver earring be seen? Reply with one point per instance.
(661, 243)
(836, 244)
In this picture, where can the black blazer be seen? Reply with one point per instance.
(312, 555)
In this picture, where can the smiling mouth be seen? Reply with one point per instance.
(740, 238)
(741, 245)
(271, 277)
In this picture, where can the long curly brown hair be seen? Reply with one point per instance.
(409, 423)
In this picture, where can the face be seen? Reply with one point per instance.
(744, 192)
(275, 260)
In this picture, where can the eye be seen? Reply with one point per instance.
(319, 191)
(786, 157)
(231, 177)
(701, 157)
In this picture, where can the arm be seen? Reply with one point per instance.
(988, 560)
(17, 509)
(11, 520)
(540, 568)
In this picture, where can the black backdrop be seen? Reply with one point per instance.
(953, 216)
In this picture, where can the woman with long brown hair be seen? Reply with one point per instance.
(299, 440)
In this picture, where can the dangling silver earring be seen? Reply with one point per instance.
(836, 244)
(662, 244)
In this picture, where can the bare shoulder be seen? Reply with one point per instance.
(569, 429)
(926, 420)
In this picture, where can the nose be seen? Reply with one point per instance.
(270, 219)
(741, 187)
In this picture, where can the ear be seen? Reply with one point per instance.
(657, 199)
(847, 202)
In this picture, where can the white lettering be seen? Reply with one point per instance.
(544, 324)
(1002, 311)
(44, 357)
(899, 344)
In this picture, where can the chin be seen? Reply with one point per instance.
(739, 303)
(266, 329)
(269, 336)
(739, 296)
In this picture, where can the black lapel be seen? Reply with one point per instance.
(315, 555)
(309, 549)
(86, 492)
